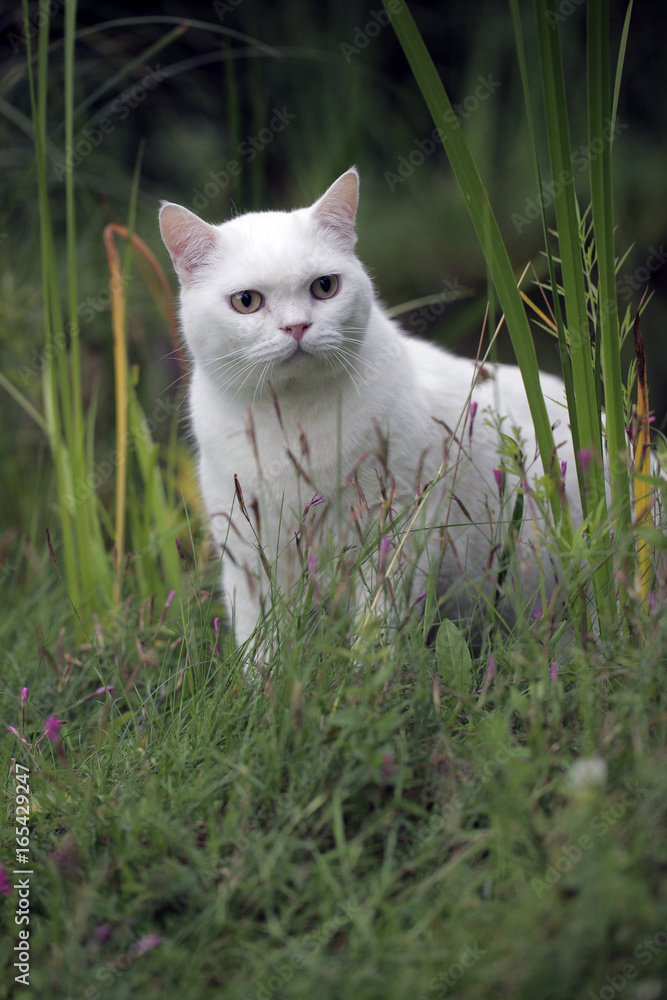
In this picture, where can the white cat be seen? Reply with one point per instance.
(301, 383)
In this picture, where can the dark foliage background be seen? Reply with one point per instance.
(340, 76)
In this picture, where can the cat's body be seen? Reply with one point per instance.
(301, 384)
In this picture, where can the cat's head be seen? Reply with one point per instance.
(272, 296)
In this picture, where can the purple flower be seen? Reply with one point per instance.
(317, 499)
(472, 411)
(563, 469)
(170, 597)
(24, 697)
(499, 478)
(180, 552)
(216, 626)
(652, 602)
(489, 674)
(387, 766)
(585, 455)
(553, 672)
(384, 549)
(536, 613)
(6, 887)
(102, 933)
(311, 563)
(146, 943)
(52, 728)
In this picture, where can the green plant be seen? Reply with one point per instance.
(586, 303)
(92, 547)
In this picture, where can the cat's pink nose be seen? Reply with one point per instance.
(296, 330)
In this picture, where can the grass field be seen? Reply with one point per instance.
(390, 819)
(338, 831)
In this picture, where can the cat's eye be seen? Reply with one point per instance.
(247, 301)
(325, 287)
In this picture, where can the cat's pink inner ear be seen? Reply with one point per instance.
(336, 210)
(189, 240)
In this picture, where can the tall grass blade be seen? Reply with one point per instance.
(600, 131)
(588, 417)
(38, 88)
(488, 234)
(565, 361)
(642, 456)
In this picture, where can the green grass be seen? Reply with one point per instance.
(337, 830)
(379, 819)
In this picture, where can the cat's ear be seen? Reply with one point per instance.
(336, 210)
(189, 240)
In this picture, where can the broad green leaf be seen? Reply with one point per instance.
(453, 658)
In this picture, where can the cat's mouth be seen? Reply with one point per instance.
(298, 354)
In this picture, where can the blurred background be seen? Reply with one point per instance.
(250, 105)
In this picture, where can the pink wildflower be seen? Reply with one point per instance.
(102, 933)
(311, 563)
(317, 499)
(180, 552)
(384, 549)
(52, 728)
(387, 766)
(500, 483)
(472, 411)
(585, 455)
(6, 887)
(146, 943)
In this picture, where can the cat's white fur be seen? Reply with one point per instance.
(344, 375)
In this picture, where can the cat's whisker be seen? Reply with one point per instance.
(251, 370)
(259, 388)
(350, 358)
(350, 369)
(356, 357)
